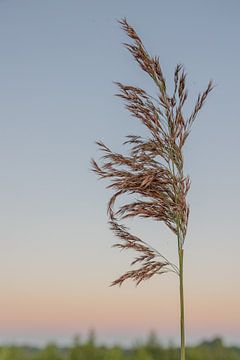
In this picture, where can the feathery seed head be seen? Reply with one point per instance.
(153, 170)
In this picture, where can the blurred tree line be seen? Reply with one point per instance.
(150, 350)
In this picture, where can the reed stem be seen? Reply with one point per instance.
(182, 325)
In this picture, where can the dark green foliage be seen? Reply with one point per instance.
(150, 350)
(12, 353)
(50, 352)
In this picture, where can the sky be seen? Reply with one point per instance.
(59, 61)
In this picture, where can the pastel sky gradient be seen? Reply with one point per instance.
(59, 59)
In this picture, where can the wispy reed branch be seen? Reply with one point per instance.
(153, 170)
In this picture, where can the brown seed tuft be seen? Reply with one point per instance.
(153, 169)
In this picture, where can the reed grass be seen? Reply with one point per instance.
(153, 170)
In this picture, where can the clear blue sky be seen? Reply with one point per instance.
(58, 63)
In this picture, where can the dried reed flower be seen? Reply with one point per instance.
(153, 169)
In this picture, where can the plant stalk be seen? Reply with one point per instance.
(182, 325)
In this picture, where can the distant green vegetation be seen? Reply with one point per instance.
(150, 350)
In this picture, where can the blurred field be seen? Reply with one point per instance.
(150, 350)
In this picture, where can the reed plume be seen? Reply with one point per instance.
(153, 170)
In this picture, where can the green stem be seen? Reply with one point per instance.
(182, 327)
